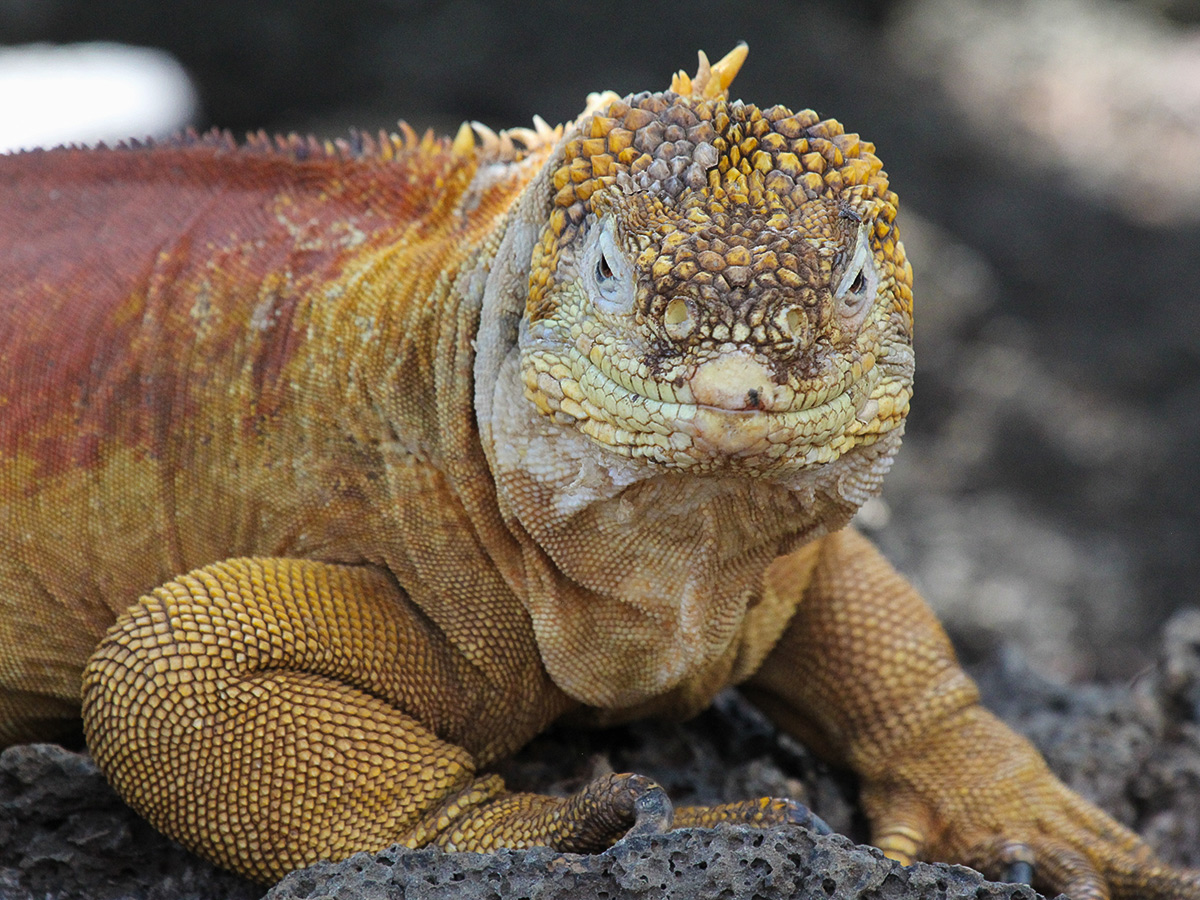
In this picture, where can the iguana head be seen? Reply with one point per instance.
(694, 354)
(719, 287)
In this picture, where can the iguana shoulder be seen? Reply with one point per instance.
(121, 261)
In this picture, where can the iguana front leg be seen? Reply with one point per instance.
(268, 713)
(866, 675)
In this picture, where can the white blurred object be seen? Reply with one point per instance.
(86, 93)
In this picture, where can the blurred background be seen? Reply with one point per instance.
(1047, 156)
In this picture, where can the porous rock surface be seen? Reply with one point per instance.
(727, 862)
(65, 834)
(1134, 749)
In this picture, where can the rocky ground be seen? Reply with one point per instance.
(63, 834)
(1048, 498)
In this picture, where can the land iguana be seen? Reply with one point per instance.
(333, 472)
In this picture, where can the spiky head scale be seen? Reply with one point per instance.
(716, 175)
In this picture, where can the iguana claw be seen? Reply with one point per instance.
(1019, 873)
(653, 810)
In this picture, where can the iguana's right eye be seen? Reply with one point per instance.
(611, 273)
(604, 272)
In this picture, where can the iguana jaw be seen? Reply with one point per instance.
(707, 424)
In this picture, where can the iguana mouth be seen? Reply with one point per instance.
(787, 430)
(725, 384)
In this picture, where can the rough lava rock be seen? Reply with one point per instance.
(64, 834)
(727, 862)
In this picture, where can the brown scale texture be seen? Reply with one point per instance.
(690, 163)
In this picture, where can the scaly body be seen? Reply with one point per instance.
(453, 439)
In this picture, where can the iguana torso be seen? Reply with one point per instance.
(507, 430)
(263, 365)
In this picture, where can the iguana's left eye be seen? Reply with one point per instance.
(611, 279)
(856, 287)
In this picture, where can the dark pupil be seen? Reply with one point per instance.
(859, 283)
(603, 270)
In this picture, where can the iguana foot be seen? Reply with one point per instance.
(483, 818)
(588, 821)
(977, 793)
(254, 711)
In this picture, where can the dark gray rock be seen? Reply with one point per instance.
(726, 862)
(64, 834)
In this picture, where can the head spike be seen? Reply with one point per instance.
(726, 70)
(681, 81)
(408, 134)
(596, 101)
(464, 141)
(526, 136)
(711, 81)
(489, 138)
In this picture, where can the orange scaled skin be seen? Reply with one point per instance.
(209, 353)
(162, 406)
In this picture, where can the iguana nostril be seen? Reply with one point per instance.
(678, 319)
(793, 323)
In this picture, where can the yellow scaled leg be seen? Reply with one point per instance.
(270, 713)
(252, 711)
(866, 675)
